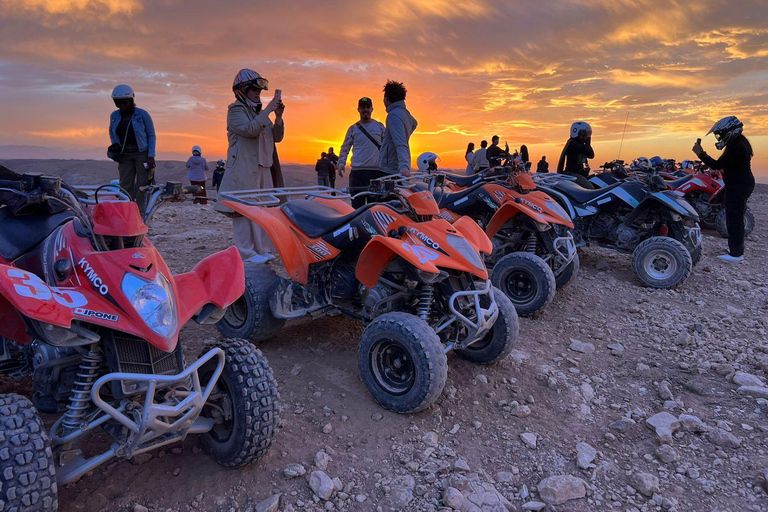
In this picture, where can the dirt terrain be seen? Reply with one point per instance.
(572, 402)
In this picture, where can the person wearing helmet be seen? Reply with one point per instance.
(364, 139)
(656, 163)
(218, 173)
(736, 164)
(252, 161)
(427, 162)
(197, 166)
(133, 138)
(395, 153)
(576, 152)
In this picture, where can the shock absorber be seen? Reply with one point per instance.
(425, 301)
(531, 243)
(81, 391)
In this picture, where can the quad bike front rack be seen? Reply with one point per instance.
(484, 317)
(147, 424)
(276, 196)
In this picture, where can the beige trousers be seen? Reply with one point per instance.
(249, 238)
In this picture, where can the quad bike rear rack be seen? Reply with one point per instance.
(146, 423)
(276, 196)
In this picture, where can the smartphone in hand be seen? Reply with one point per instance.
(698, 141)
(279, 95)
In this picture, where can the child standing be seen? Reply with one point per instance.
(218, 173)
(197, 166)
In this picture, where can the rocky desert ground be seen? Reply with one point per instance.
(617, 398)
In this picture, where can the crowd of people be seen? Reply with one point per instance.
(377, 149)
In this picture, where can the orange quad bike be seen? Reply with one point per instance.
(91, 313)
(417, 282)
(533, 249)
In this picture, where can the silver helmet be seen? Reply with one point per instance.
(726, 130)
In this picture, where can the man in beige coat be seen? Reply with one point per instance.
(252, 161)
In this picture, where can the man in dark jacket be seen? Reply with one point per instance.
(494, 152)
(543, 165)
(576, 152)
(334, 159)
(324, 168)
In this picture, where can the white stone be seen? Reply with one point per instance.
(321, 484)
(585, 454)
(529, 440)
(558, 489)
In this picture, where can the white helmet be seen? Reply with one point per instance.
(643, 163)
(687, 164)
(198, 149)
(725, 130)
(427, 161)
(122, 92)
(580, 126)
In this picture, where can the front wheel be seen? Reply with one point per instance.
(661, 262)
(27, 472)
(527, 280)
(244, 405)
(722, 226)
(250, 317)
(500, 340)
(402, 362)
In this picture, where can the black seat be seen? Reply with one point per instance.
(444, 200)
(676, 183)
(316, 219)
(581, 194)
(464, 181)
(19, 234)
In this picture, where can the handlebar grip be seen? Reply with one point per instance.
(12, 184)
(192, 189)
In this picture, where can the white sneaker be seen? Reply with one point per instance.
(258, 258)
(269, 256)
(731, 259)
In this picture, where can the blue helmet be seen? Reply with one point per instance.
(656, 161)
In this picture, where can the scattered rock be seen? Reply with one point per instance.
(461, 465)
(665, 393)
(723, 438)
(377, 416)
(754, 391)
(602, 264)
(617, 349)
(141, 458)
(529, 440)
(558, 489)
(453, 498)
(581, 347)
(294, 470)
(645, 483)
(585, 454)
(321, 484)
(401, 491)
(430, 439)
(724, 369)
(140, 508)
(296, 370)
(747, 379)
(535, 506)
(480, 496)
(622, 425)
(328, 428)
(481, 378)
(693, 423)
(270, 504)
(322, 460)
(664, 424)
(666, 454)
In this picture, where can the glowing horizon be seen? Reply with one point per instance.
(475, 69)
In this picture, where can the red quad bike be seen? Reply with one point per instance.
(533, 250)
(706, 193)
(418, 284)
(90, 311)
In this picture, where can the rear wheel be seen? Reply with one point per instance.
(244, 404)
(722, 227)
(27, 473)
(402, 362)
(569, 272)
(500, 340)
(527, 280)
(250, 317)
(661, 262)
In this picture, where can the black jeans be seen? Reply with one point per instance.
(362, 178)
(332, 179)
(736, 196)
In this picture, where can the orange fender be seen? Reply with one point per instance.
(474, 234)
(295, 256)
(382, 250)
(218, 279)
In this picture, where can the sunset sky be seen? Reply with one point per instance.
(473, 68)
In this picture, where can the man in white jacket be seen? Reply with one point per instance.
(364, 139)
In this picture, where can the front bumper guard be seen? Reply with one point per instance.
(149, 424)
(563, 254)
(484, 317)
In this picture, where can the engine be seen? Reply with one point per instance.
(603, 226)
(626, 237)
(54, 376)
(343, 281)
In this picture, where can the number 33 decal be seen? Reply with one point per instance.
(31, 286)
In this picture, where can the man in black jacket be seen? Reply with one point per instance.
(494, 152)
(324, 168)
(576, 152)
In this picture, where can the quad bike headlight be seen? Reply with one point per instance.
(153, 300)
(466, 250)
